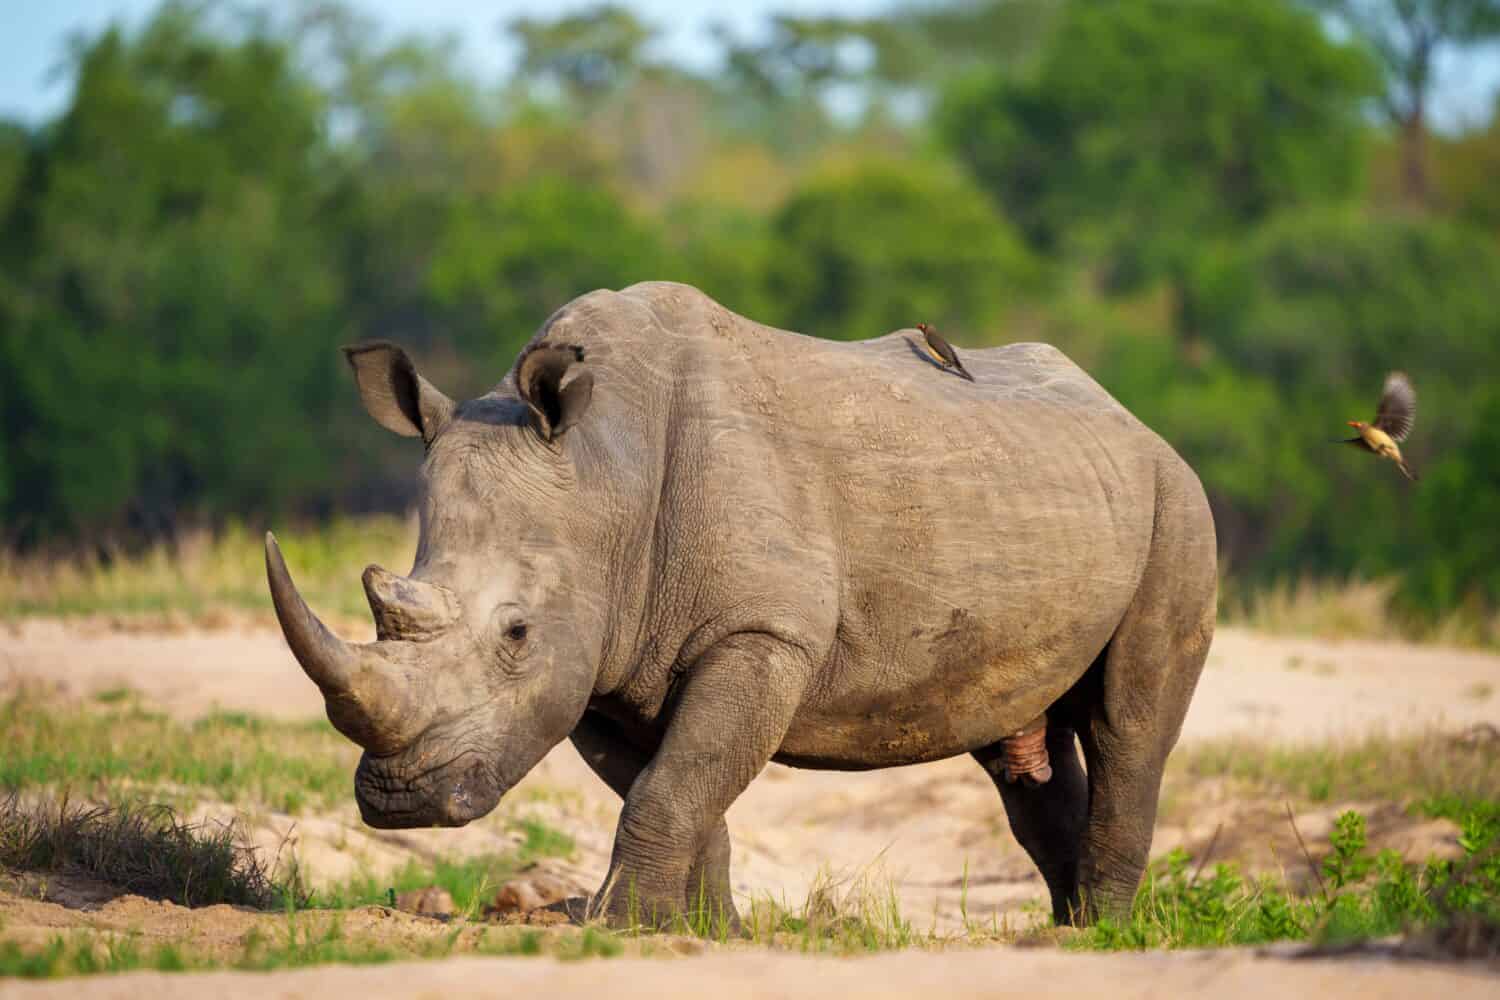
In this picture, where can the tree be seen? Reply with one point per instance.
(585, 55)
(1150, 129)
(915, 47)
(506, 261)
(885, 245)
(1316, 308)
(1408, 37)
(173, 320)
(1464, 178)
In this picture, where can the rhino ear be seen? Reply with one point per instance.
(539, 381)
(394, 394)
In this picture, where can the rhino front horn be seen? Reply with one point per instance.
(369, 699)
(327, 659)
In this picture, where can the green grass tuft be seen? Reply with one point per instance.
(1407, 769)
(207, 577)
(1361, 895)
(119, 750)
(472, 881)
(142, 849)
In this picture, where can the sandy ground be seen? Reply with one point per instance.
(936, 832)
(989, 973)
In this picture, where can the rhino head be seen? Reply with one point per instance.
(486, 653)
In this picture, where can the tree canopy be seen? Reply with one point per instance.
(1193, 200)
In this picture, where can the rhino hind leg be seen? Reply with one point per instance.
(1150, 670)
(1047, 818)
(618, 763)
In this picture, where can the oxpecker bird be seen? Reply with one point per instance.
(942, 352)
(1394, 416)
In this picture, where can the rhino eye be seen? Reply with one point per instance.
(516, 632)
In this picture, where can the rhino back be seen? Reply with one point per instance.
(954, 553)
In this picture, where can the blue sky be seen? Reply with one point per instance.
(33, 32)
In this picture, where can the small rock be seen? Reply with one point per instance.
(546, 918)
(429, 902)
(523, 895)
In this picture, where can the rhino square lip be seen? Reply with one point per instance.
(462, 802)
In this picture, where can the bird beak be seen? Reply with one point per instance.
(1354, 423)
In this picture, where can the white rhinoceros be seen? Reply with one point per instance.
(695, 544)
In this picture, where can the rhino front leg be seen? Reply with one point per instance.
(736, 705)
(618, 763)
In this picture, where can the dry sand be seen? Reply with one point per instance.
(926, 829)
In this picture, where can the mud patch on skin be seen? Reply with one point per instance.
(976, 692)
(961, 642)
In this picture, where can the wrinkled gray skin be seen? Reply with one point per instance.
(710, 544)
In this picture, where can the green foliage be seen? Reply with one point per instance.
(231, 195)
(1464, 169)
(1309, 315)
(1148, 127)
(512, 258)
(1367, 896)
(1348, 862)
(887, 245)
(585, 55)
(176, 288)
(1410, 39)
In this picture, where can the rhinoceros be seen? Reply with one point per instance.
(694, 544)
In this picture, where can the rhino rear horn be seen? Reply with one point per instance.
(405, 608)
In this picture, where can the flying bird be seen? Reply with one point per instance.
(1394, 416)
(942, 352)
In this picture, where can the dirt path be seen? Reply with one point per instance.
(998, 972)
(920, 828)
(1266, 687)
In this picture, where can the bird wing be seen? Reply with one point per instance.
(1398, 407)
(1358, 442)
(940, 347)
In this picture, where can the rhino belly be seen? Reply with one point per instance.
(938, 695)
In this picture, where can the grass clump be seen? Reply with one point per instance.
(863, 914)
(116, 748)
(1353, 608)
(470, 881)
(142, 849)
(1414, 769)
(87, 954)
(1361, 895)
(298, 943)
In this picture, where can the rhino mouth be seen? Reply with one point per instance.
(460, 791)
